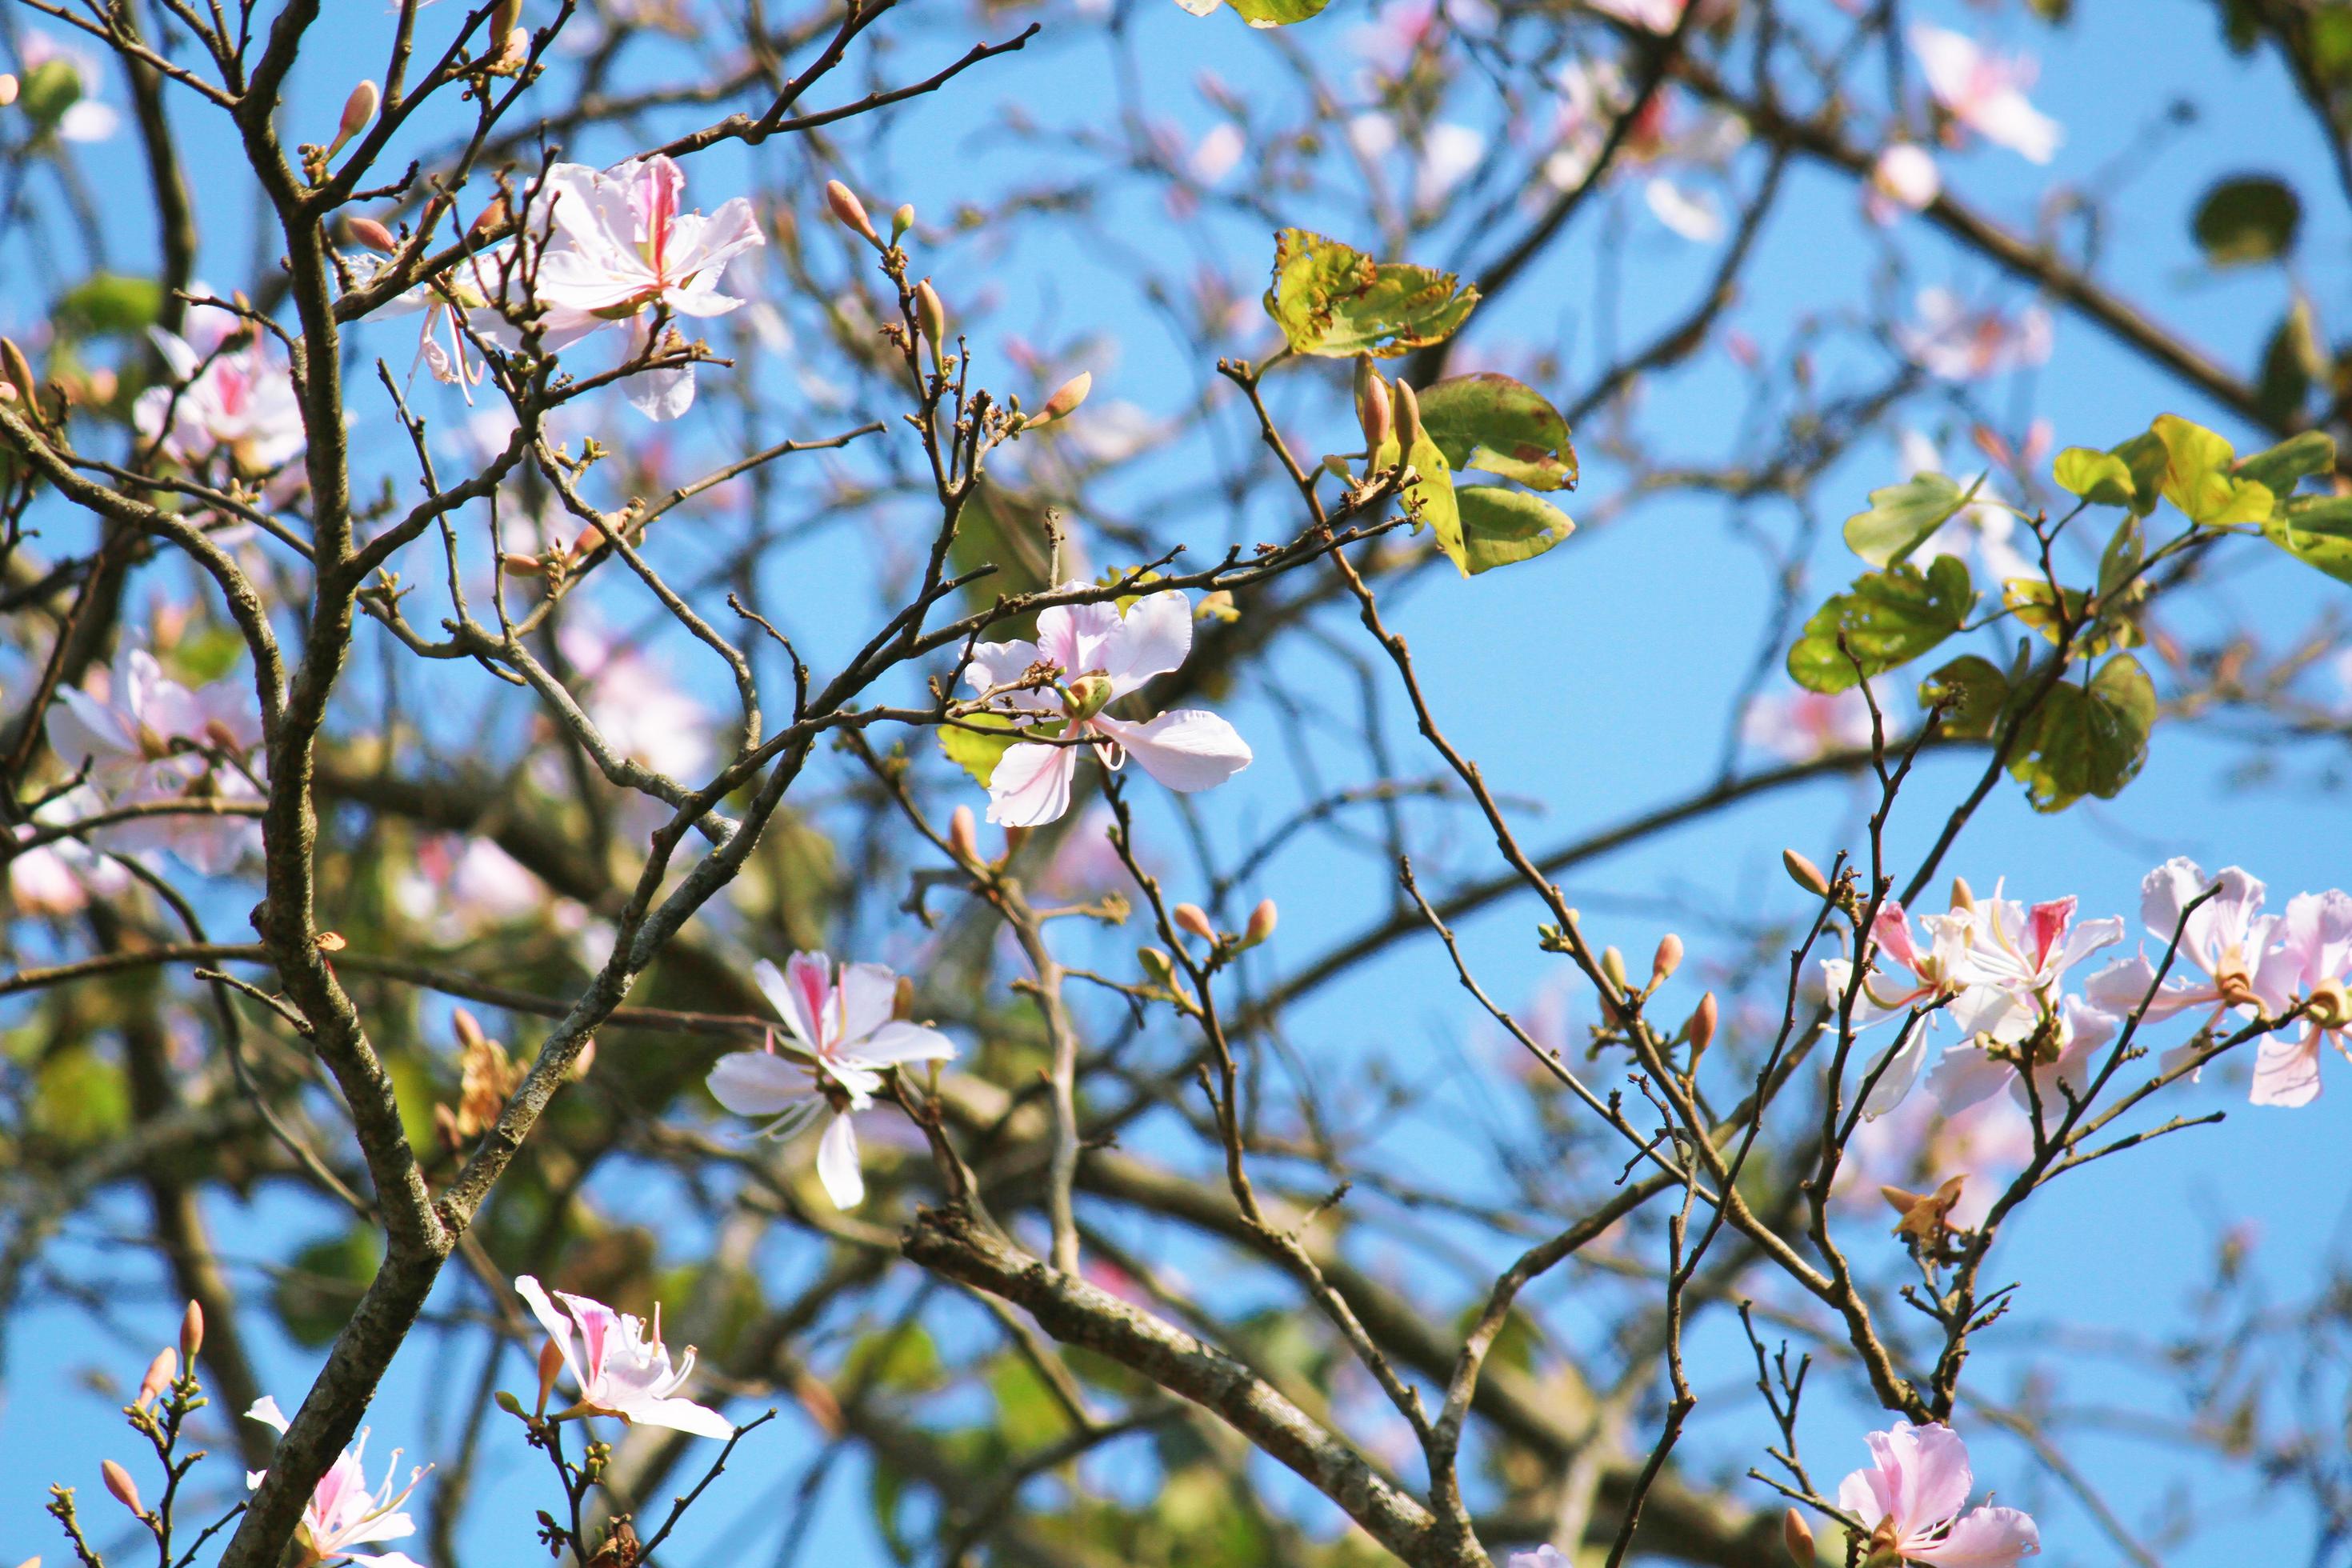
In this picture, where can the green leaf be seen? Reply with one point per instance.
(1502, 426)
(2031, 601)
(1500, 526)
(79, 1097)
(1431, 501)
(2198, 477)
(2318, 532)
(2146, 457)
(1277, 12)
(1886, 618)
(315, 1296)
(978, 753)
(108, 304)
(2098, 476)
(2127, 548)
(2293, 362)
(2253, 217)
(1902, 517)
(2280, 468)
(1331, 300)
(1974, 690)
(2088, 741)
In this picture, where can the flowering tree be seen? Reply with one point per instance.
(612, 824)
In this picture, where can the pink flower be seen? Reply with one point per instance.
(2017, 960)
(845, 1028)
(1094, 655)
(1903, 976)
(145, 737)
(1546, 1556)
(2317, 961)
(342, 1512)
(1911, 1495)
(59, 877)
(1952, 342)
(619, 245)
(620, 1369)
(1985, 91)
(1797, 726)
(2227, 939)
(238, 401)
(1903, 179)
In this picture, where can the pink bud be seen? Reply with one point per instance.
(851, 210)
(1261, 923)
(550, 1362)
(963, 835)
(192, 1332)
(1194, 918)
(161, 1373)
(358, 109)
(373, 235)
(125, 1490)
(1375, 411)
(1804, 873)
(1798, 1537)
(1669, 958)
(1702, 1026)
(1066, 398)
(1408, 418)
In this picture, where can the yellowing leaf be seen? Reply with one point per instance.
(1336, 302)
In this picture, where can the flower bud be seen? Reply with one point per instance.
(901, 221)
(1261, 923)
(7, 89)
(512, 54)
(523, 565)
(469, 1032)
(504, 20)
(1669, 958)
(358, 109)
(1408, 418)
(1374, 411)
(373, 235)
(1157, 965)
(1065, 399)
(1612, 964)
(850, 211)
(1701, 1027)
(1964, 897)
(1798, 1537)
(125, 1490)
(932, 316)
(15, 369)
(963, 834)
(1805, 874)
(508, 1402)
(161, 1373)
(1192, 918)
(192, 1332)
(902, 1000)
(550, 1362)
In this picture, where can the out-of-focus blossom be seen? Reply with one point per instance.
(2318, 955)
(844, 1041)
(1911, 1494)
(146, 737)
(1903, 976)
(622, 1368)
(85, 119)
(1923, 1142)
(1983, 528)
(1545, 1556)
(1985, 91)
(342, 1512)
(1092, 655)
(1218, 153)
(59, 877)
(1665, 138)
(1448, 153)
(639, 711)
(1903, 179)
(1797, 725)
(1693, 215)
(619, 246)
(1952, 342)
(2227, 941)
(241, 401)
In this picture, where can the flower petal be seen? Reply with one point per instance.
(1185, 749)
(264, 1410)
(1153, 638)
(757, 1083)
(2286, 1071)
(1031, 786)
(1988, 1538)
(681, 1416)
(836, 1164)
(900, 1041)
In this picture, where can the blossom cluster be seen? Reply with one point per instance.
(1998, 969)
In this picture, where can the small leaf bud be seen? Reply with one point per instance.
(358, 109)
(1407, 419)
(1192, 918)
(1261, 923)
(850, 211)
(1701, 1027)
(1798, 1537)
(1669, 958)
(1805, 874)
(15, 369)
(1157, 965)
(192, 1332)
(161, 1373)
(901, 221)
(963, 834)
(504, 19)
(367, 231)
(508, 1402)
(125, 1490)
(1612, 964)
